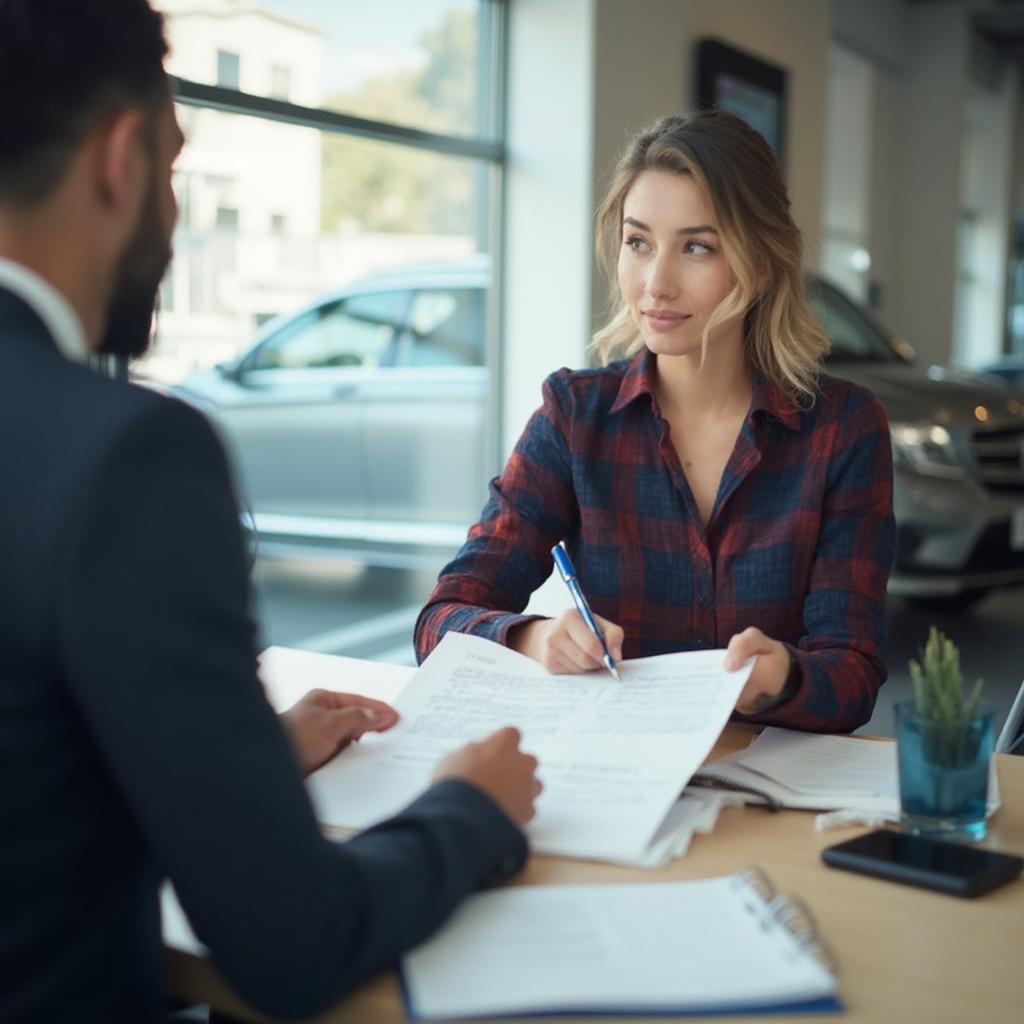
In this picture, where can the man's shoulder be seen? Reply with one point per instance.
(69, 414)
(110, 409)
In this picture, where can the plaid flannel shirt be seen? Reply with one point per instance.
(799, 543)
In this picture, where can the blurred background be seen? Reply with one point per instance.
(386, 243)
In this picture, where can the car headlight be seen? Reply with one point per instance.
(926, 449)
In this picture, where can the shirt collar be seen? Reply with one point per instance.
(773, 401)
(49, 305)
(638, 380)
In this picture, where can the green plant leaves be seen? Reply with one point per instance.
(938, 684)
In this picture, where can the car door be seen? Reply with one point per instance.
(295, 419)
(425, 416)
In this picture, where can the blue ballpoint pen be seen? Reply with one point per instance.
(568, 574)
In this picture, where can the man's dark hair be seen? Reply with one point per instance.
(65, 64)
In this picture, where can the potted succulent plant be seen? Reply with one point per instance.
(944, 745)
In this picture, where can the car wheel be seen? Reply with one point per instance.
(949, 602)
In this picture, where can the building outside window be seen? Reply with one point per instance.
(228, 69)
(280, 82)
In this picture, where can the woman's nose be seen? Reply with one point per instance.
(662, 280)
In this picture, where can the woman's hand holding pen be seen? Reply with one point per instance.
(566, 645)
(766, 685)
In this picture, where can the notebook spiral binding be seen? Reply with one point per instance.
(708, 780)
(790, 912)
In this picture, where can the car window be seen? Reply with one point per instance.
(355, 331)
(446, 328)
(854, 337)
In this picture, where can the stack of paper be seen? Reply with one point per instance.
(694, 813)
(813, 772)
(614, 757)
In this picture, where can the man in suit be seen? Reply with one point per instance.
(135, 741)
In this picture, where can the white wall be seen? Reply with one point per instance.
(990, 114)
(549, 186)
(941, 138)
(876, 29)
(846, 209)
(885, 142)
(928, 178)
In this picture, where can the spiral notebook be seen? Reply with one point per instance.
(718, 945)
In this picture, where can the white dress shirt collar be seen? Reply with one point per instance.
(49, 305)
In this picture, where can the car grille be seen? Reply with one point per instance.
(993, 553)
(1000, 459)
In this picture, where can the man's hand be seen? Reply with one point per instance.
(497, 766)
(765, 684)
(323, 722)
(565, 645)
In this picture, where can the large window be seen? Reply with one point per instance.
(330, 297)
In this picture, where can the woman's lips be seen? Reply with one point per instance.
(664, 320)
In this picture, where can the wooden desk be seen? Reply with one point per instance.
(905, 955)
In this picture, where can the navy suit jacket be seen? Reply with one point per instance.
(136, 742)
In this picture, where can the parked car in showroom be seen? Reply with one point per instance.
(357, 426)
(1009, 368)
(958, 459)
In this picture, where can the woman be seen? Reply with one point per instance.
(712, 487)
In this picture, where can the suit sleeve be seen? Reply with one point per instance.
(159, 653)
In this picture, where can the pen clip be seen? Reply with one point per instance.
(562, 562)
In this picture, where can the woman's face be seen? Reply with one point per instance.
(672, 270)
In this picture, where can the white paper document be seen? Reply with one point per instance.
(288, 674)
(613, 756)
(708, 945)
(816, 772)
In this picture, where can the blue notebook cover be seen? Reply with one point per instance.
(830, 1005)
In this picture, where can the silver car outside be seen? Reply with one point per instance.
(357, 425)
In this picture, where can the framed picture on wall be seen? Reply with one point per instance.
(756, 90)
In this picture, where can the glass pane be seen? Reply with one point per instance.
(354, 274)
(352, 332)
(411, 62)
(228, 69)
(446, 328)
(359, 271)
(275, 218)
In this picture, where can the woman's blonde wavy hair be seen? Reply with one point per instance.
(738, 173)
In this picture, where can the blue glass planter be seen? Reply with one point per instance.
(943, 773)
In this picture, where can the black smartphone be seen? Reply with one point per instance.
(954, 868)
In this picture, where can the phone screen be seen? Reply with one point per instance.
(926, 854)
(930, 863)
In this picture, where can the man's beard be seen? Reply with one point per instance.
(139, 273)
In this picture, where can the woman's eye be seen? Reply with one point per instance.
(636, 243)
(697, 248)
